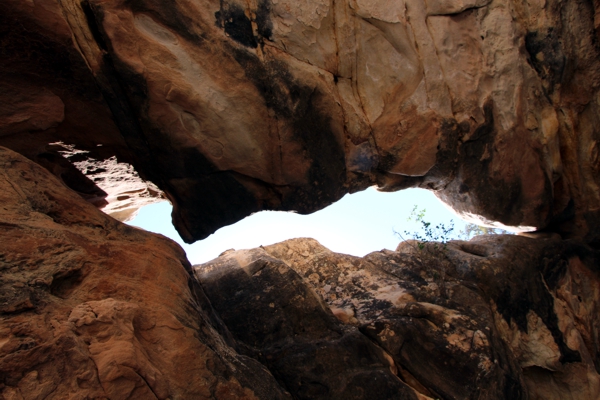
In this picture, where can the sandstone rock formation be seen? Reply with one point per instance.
(231, 107)
(499, 317)
(277, 319)
(92, 308)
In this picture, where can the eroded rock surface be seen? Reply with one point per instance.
(276, 318)
(92, 308)
(231, 107)
(499, 317)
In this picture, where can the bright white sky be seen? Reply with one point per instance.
(357, 224)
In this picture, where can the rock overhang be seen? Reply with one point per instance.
(231, 109)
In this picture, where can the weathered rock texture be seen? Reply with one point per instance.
(230, 107)
(499, 317)
(278, 319)
(92, 308)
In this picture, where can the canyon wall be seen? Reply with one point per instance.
(498, 317)
(93, 308)
(230, 107)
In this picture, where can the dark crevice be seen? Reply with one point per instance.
(147, 384)
(464, 10)
(63, 284)
(92, 25)
(546, 56)
(232, 18)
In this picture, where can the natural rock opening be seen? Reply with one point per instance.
(357, 224)
(232, 107)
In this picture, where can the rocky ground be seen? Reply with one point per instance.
(91, 308)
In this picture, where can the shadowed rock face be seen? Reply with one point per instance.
(499, 317)
(277, 319)
(232, 107)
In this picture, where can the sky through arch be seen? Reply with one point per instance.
(357, 224)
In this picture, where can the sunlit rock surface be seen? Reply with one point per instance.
(499, 317)
(92, 308)
(231, 107)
